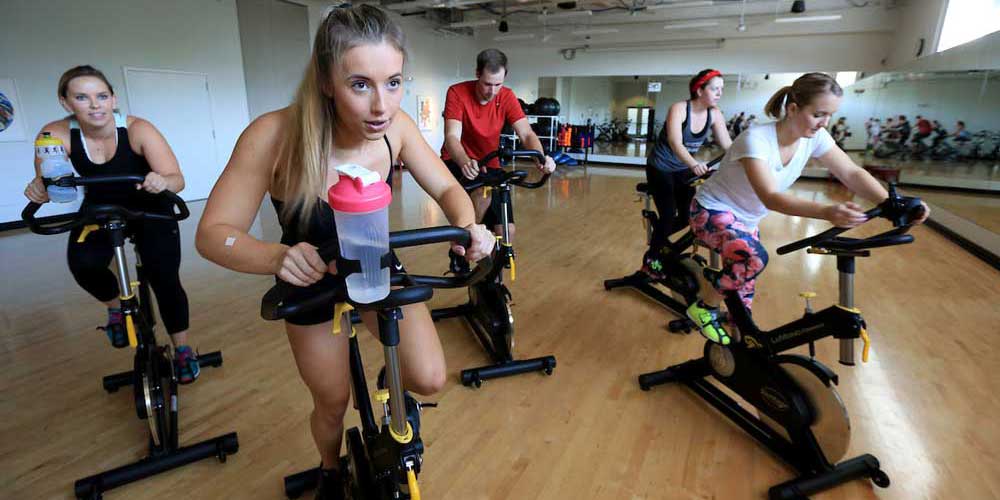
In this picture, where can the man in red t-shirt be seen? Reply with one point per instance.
(924, 129)
(474, 113)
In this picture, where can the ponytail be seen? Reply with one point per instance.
(777, 102)
(802, 92)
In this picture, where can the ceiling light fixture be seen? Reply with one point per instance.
(515, 36)
(692, 24)
(659, 6)
(807, 19)
(596, 31)
(473, 24)
(566, 15)
(710, 44)
(451, 4)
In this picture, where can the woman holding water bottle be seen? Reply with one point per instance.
(99, 141)
(344, 126)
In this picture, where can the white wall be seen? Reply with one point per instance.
(50, 37)
(434, 63)
(917, 19)
(832, 52)
(980, 54)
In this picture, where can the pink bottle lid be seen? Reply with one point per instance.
(358, 190)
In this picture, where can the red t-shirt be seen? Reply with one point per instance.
(924, 126)
(481, 123)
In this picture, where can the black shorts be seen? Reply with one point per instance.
(324, 313)
(492, 216)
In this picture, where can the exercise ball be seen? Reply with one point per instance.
(546, 106)
(527, 108)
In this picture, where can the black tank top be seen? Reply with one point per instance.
(322, 227)
(124, 162)
(664, 158)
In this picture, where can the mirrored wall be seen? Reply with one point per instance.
(939, 130)
(628, 111)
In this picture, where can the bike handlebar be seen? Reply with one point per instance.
(515, 177)
(900, 210)
(89, 214)
(698, 179)
(285, 299)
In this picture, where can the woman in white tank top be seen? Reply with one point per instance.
(760, 166)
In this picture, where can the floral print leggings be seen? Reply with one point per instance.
(743, 257)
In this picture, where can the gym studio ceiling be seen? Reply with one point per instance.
(681, 23)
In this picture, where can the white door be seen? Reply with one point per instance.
(179, 105)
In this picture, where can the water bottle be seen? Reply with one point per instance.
(55, 165)
(360, 202)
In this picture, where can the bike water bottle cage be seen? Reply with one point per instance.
(346, 267)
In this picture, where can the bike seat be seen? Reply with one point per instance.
(642, 187)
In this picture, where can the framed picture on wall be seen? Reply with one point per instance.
(424, 115)
(11, 113)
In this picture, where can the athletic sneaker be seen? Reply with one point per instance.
(706, 319)
(186, 364)
(115, 329)
(652, 266)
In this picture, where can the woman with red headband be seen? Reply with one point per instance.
(671, 163)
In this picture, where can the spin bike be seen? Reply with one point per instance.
(383, 460)
(488, 310)
(153, 380)
(680, 265)
(802, 418)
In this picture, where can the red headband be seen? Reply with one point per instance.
(703, 80)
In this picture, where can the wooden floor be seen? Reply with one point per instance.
(925, 404)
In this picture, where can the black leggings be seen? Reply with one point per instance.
(158, 244)
(672, 196)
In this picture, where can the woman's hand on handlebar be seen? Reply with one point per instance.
(154, 183)
(847, 214)
(482, 244)
(36, 191)
(301, 265)
(924, 214)
(471, 169)
(699, 169)
(548, 167)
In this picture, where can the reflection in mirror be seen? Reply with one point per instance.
(939, 129)
(618, 117)
(937, 133)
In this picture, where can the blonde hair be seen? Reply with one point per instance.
(801, 92)
(302, 161)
